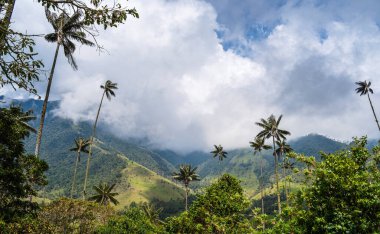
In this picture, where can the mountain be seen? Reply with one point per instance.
(141, 173)
(313, 144)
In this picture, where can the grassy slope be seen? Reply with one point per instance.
(139, 184)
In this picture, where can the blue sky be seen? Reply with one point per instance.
(195, 73)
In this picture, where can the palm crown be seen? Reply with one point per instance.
(24, 118)
(66, 29)
(259, 144)
(104, 194)
(186, 174)
(270, 128)
(81, 145)
(364, 87)
(219, 152)
(108, 88)
(283, 147)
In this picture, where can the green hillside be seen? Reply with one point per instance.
(136, 171)
(139, 184)
(128, 163)
(313, 144)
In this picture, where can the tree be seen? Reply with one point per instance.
(134, 220)
(258, 145)
(221, 209)
(219, 152)
(271, 130)
(108, 91)
(152, 213)
(344, 194)
(74, 216)
(186, 174)
(66, 28)
(19, 173)
(287, 165)
(104, 194)
(282, 150)
(80, 146)
(364, 89)
(19, 66)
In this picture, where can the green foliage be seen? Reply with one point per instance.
(27, 224)
(18, 63)
(134, 220)
(219, 210)
(95, 11)
(344, 194)
(104, 194)
(19, 172)
(74, 216)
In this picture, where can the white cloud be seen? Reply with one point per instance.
(179, 88)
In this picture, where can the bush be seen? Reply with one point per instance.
(220, 210)
(134, 220)
(75, 216)
(344, 194)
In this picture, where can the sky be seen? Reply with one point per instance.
(194, 73)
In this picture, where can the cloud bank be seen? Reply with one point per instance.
(182, 88)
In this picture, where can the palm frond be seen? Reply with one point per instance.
(51, 37)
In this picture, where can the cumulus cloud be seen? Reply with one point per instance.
(182, 90)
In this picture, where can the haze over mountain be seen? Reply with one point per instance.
(117, 160)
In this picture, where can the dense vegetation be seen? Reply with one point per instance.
(275, 187)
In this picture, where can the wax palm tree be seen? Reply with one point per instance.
(364, 89)
(23, 119)
(108, 91)
(258, 145)
(219, 152)
(152, 213)
(80, 146)
(104, 194)
(271, 130)
(186, 175)
(66, 29)
(287, 165)
(282, 149)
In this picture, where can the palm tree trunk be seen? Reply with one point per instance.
(284, 177)
(373, 110)
(186, 194)
(262, 189)
(261, 185)
(75, 175)
(276, 172)
(286, 189)
(44, 107)
(6, 22)
(90, 149)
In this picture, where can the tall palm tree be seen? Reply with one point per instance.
(80, 146)
(258, 145)
(282, 150)
(108, 91)
(104, 194)
(271, 130)
(219, 152)
(186, 174)
(66, 29)
(287, 165)
(364, 89)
